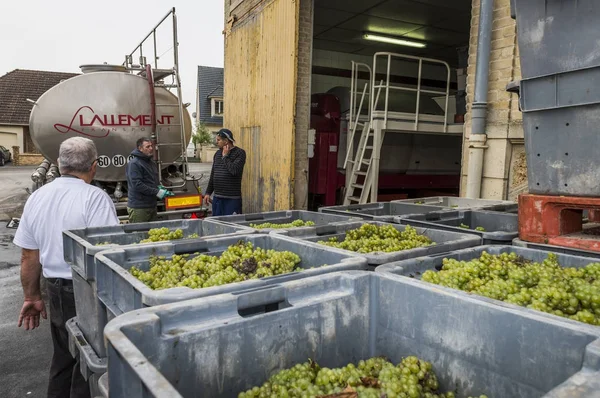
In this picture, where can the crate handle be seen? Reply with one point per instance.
(261, 300)
(254, 217)
(190, 247)
(128, 228)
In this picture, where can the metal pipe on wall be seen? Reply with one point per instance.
(478, 137)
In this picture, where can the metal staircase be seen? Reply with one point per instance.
(362, 172)
(360, 175)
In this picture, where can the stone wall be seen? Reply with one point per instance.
(303, 91)
(504, 169)
(26, 159)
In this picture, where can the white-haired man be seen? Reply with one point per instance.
(69, 202)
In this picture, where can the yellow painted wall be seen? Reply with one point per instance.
(11, 136)
(260, 100)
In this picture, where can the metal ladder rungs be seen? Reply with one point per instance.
(354, 198)
(359, 186)
(361, 173)
(366, 161)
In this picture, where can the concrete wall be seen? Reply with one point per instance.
(10, 136)
(504, 171)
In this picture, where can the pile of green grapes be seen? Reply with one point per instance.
(160, 235)
(293, 224)
(371, 238)
(373, 378)
(546, 286)
(238, 263)
(465, 226)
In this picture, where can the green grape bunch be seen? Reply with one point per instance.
(240, 262)
(160, 235)
(372, 378)
(293, 224)
(371, 238)
(165, 234)
(546, 286)
(465, 226)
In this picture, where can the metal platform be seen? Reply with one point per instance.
(375, 118)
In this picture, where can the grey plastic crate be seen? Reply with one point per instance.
(80, 248)
(79, 245)
(281, 217)
(459, 203)
(415, 267)
(103, 385)
(500, 228)
(566, 41)
(91, 366)
(380, 211)
(556, 249)
(206, 348)
(119, 291)
(559, 96)
(445, 241)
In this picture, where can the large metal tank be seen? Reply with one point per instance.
(112, 108)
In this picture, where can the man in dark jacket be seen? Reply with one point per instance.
(226, 176)
(143, 184)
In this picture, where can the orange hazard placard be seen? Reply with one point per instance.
(183, 201)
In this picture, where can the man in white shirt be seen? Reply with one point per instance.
(69, 202)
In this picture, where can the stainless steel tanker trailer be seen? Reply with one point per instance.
(115, 105)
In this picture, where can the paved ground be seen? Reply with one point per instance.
(25, 356)
(14, 180)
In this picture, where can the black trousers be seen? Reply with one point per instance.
(65, 376)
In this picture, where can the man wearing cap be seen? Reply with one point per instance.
(225, 182)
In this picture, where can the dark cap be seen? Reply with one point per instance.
(225, 133)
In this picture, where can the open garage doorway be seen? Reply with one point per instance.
(414, 93)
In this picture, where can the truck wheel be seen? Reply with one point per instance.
(1, 160)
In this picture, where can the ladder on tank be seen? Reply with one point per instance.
(156, 79)
(359, 174)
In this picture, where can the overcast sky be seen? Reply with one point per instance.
(61, 35)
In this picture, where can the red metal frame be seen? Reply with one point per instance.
(558, 220)
(325, 120)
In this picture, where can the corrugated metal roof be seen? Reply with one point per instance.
(210, 84)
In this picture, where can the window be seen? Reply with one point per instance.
(217, 107)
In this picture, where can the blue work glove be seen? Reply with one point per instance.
(169, 193)
(162, 192)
